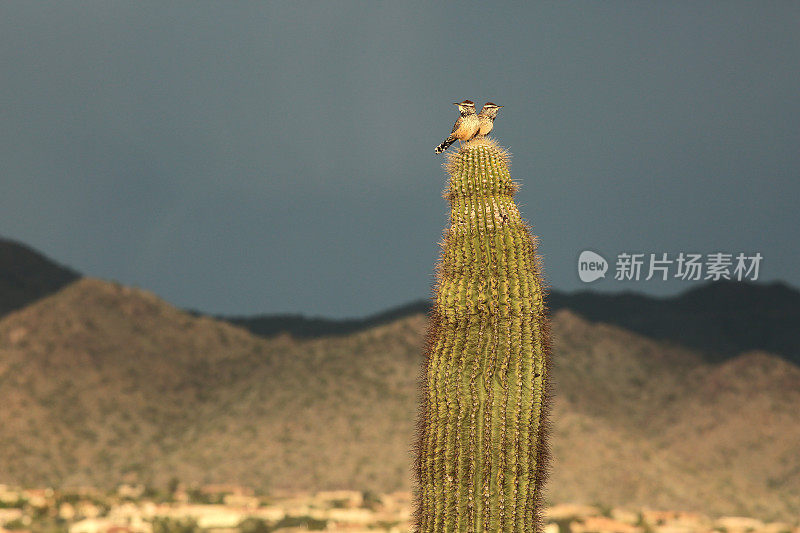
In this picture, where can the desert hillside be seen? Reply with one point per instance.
(103, 383)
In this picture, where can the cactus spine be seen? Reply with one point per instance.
(481, 448)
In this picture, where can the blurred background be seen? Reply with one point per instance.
(219, 222)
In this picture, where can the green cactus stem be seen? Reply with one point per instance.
(481, 445)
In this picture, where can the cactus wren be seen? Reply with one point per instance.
(486, 117)
(465, 128)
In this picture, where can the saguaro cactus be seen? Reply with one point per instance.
(481, 448)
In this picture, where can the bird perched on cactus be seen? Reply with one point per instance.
(486, 118)
(465, 128)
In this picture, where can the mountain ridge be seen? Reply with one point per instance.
(27, 275)
(720, 319)
(104, 383)
(712, 318)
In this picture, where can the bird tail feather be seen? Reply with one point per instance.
(445, 145)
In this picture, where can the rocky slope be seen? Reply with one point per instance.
(103, 383)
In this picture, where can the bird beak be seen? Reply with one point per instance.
(500, 106)
(456, 103)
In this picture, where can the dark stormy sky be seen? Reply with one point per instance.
(243, 157)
